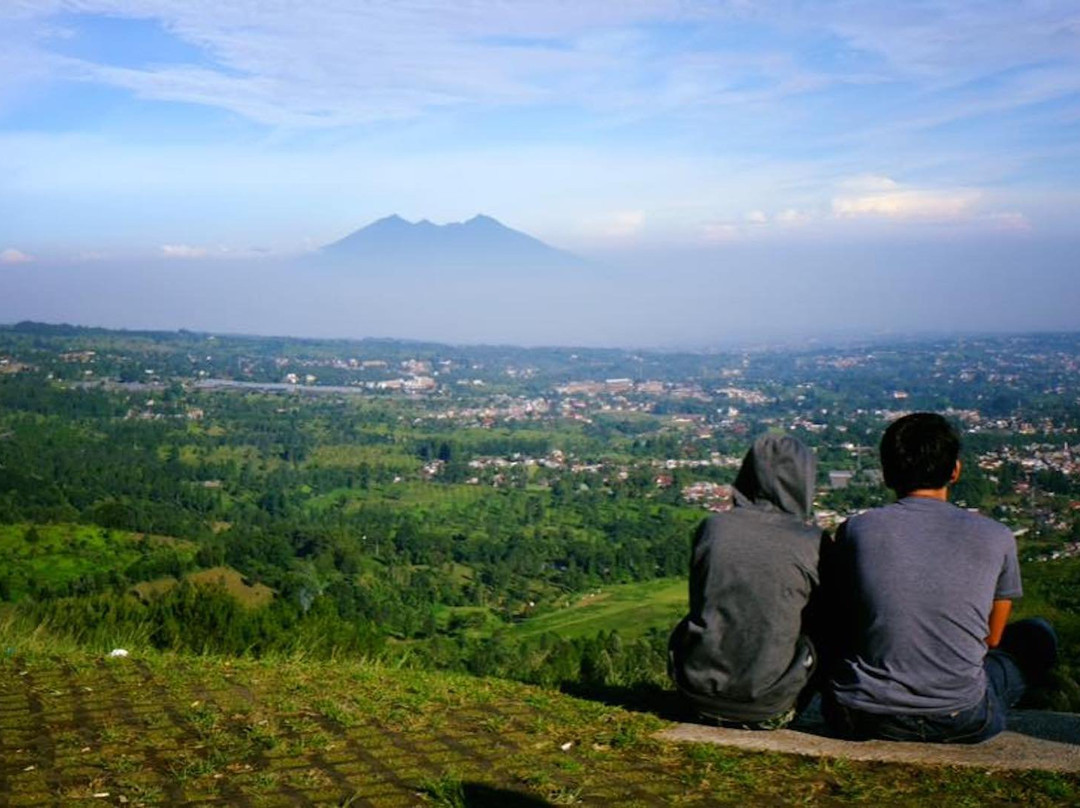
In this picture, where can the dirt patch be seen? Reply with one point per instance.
(248, 593)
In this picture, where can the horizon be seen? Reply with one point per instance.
(823, 340)
(768, 167)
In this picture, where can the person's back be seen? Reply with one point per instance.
(740, 654)
(921, 592)
(923, 575)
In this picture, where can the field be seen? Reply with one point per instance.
(248, 594)
(630, 609)
(62, 558)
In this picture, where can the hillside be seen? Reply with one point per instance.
(155, 729)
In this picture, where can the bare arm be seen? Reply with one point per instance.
(999, 615)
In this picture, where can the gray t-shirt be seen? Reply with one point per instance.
(915, 582)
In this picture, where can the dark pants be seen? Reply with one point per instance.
(1027, 652)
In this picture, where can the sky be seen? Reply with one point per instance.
(812, 143)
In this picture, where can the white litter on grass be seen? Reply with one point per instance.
(566, 746)
(118, 652)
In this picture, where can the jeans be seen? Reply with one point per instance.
(1007, 677)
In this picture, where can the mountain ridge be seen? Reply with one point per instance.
(481, 241)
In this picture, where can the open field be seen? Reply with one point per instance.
(253, 595)
(630, 609)
(57, 556)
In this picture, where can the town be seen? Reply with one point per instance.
(666, 426)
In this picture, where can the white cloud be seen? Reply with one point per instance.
(13, 256)
(868, 183)
(882, 197)
(719, 232)
(183, 251)
(757, 217)
(338, 63)
(617, 225)
(791, 217)
(218, 251)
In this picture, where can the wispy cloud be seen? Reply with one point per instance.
(335, 63)
(183, 251)
(662, 113)
(189, 251)
(13, 256)
(618, 225)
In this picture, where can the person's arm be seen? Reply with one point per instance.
(999, 615)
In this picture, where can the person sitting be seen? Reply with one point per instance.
(741, 656)
(921, 593)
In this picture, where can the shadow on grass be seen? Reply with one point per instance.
(645, 698)
(449, 792)
(667, 704)
(478, 795)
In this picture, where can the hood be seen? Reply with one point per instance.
(778, 473)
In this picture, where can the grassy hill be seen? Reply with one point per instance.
(62, 558)
(163, 729)
(630, 609)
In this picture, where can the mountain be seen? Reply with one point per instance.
(481, 242)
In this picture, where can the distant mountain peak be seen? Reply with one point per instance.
(482, 241)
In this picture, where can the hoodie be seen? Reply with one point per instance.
(740, 654)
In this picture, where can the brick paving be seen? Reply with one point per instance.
(124, 732)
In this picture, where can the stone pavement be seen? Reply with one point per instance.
(210, 733)
(168, 730)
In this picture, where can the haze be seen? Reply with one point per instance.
(726, 171)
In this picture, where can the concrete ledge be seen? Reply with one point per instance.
(1035, 740)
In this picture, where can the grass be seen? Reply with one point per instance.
(630, 609)
(161, 729)
(252, 595)
(54, 555)
(352, 455)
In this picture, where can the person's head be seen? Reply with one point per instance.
(919, 452)
(779, 472)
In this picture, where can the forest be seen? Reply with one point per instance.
(433, 523)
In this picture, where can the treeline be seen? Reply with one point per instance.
(207, 619)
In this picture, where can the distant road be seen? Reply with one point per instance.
(277, 387)
(232, 384)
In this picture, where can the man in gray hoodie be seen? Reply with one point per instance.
(742, 654)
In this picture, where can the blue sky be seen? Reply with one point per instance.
(825, 146)
(225, 126)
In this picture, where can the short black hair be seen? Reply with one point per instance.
(919, 451)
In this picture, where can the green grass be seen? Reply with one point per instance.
(55, 555)
(351, 455)
(442, 500)
(1052, 591)
(630, 609)
(164, 729)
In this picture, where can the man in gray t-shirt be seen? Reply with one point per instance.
(923, 590)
